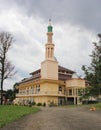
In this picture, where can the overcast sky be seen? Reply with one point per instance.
(76, 24)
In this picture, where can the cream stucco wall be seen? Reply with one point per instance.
(49, 69)
(49, 87)
(75, 82)
(49, 92)
(46, 99)
(37, 99)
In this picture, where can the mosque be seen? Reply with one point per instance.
(52, 84)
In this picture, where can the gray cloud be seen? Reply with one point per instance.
(83, 12)
(75, 22)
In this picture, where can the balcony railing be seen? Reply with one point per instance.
(42, 93)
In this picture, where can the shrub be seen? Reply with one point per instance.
(39, 104)
(33, 103)
(44, 104)
(89, 102)
(51, 104)
(29, 104)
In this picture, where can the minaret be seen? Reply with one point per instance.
(49, 45)
(49, 67)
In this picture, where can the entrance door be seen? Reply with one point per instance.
(61, 100)
(70, 100)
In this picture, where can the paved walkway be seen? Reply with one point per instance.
(59, 118)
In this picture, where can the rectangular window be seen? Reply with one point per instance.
(27, 91)
(70, 92)
(60, 88)
(38, 89)
(32, 90)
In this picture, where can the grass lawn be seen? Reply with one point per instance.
(97, 106)
(9, 113)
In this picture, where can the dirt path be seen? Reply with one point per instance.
(59, 118)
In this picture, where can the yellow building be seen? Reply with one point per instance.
(52, 84)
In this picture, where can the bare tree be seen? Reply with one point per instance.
(6, 68)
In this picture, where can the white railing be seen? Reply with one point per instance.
(41, 93)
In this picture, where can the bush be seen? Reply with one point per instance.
(29, 104)
(44, 104)
(89, 102)
(33, 103)
(52, 104)
(39, 104)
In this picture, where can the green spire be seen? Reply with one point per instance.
(50, 27)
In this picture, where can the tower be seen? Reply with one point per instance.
(49, 67)
(49, 46)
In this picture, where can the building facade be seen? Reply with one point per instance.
(52, 84)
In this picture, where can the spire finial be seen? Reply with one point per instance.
(49, 21)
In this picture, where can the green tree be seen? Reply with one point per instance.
(10, 95)
(15, 88)
(93, 72)
(6, 68)
(85, 94)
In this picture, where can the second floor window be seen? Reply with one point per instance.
(38, 88)
(27, 91)
(60, 88)
(32, 90)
